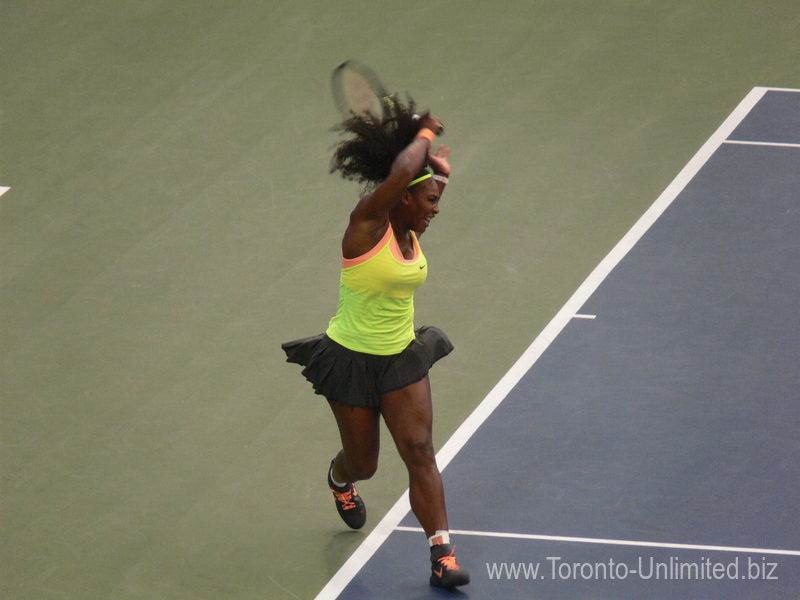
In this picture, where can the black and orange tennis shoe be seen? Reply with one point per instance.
(349, 504)
(445, 572)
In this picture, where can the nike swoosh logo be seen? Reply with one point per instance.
(422, 267)
(438, 572)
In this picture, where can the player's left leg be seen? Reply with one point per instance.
(408, 414)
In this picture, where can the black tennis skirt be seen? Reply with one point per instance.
(357, 379)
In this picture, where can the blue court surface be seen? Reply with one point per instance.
(646, 444)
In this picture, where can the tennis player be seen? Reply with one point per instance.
(371, 362)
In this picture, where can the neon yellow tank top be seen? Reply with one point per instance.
(376, 298)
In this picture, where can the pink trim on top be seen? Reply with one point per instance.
(398, 254)
(352, 262)
(388, 238)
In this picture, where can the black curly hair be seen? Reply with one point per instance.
(368, 156)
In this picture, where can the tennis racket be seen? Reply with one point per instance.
(357, 90)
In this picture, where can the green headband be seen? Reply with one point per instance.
(421, 178)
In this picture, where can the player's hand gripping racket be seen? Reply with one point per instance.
(357, 90)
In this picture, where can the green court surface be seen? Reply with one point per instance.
(170, 220)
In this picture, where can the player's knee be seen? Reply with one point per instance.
(418, 453)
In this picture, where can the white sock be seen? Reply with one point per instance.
(336, 483)
(440, 537)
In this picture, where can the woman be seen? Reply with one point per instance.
(371, 362)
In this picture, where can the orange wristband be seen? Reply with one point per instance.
(426, 133)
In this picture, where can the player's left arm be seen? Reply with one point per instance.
(439, 161)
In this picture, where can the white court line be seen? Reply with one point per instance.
(778, 144)
(580, 316)
(3, 190)
(777, 89)
(604, 542)
(401, 508)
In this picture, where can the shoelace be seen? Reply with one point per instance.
(346, 498)
(449, 561)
